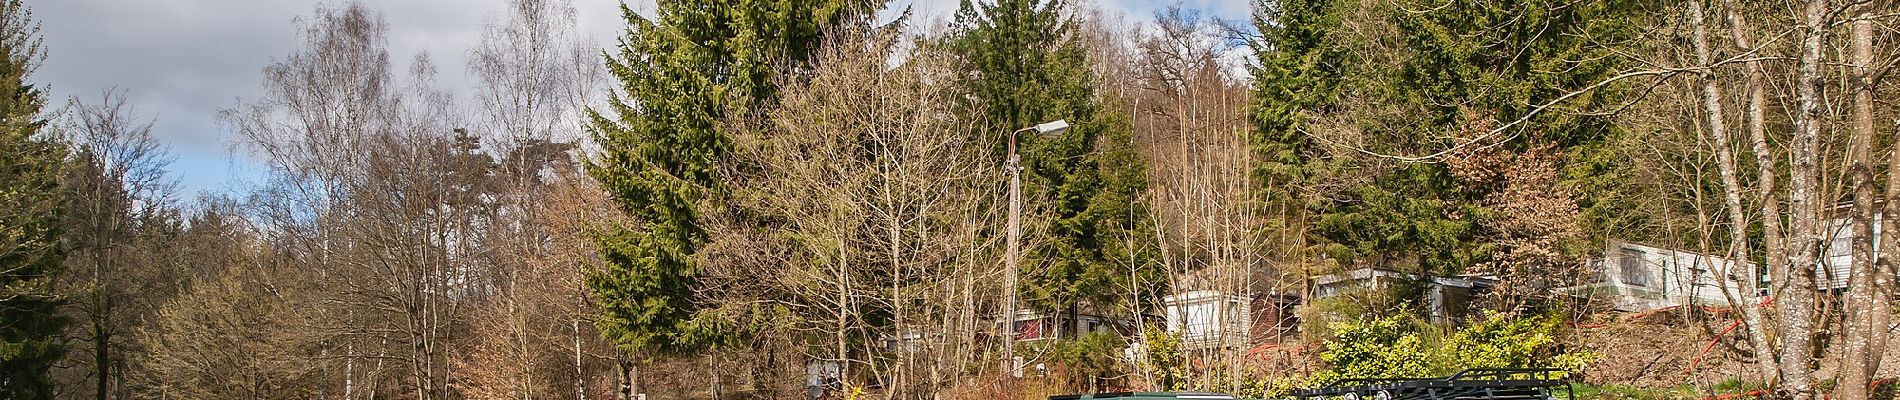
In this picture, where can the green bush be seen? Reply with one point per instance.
(1165, 359)
(1395, 346)
(1403, 346)
(1090, 362)
(1501, 341)
(1398, 297)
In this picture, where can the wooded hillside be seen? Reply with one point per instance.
(770, 199)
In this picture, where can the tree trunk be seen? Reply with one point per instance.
(1765, 354)
(1866, 302)
(1738, 252)
(625, 383)
(102, 357)
(1795, 298)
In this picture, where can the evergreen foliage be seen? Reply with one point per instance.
(1484, 63)
(1423, 81)
(678, 76)
(1026, 67)
(1297, 71)
(30, 208)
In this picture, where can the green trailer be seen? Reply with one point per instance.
(1145, 396)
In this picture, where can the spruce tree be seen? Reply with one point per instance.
(1026, 67)
(1297, 72)
(31, 202)
(679, 76)
(1435, 75)
(1503, 59)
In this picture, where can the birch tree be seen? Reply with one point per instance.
(1190, 119)
(379, 188)
(535, 75)
(1794, 280)
(1743, 273)
(1868, 302)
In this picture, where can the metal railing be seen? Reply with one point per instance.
(1470, 384)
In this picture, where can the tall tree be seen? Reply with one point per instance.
(119, 214)
(529, 337)
(1297, 73)
(1026, 66)
(31, 202)
(1190, 109)
(379, 190)
(881, 195)
(1719, 133)
(679, 75)
(1411, 86)
(1868, 305)
(1794, 280)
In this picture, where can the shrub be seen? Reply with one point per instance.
(1402, 346)
(1163, 357)
(1090, 362)
(1389, 347)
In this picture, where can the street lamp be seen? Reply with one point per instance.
(1015, 169)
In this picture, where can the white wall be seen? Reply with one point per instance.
(1206, 317)
(1665, 277)
(1837, 254)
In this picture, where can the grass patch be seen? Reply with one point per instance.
(1620, 392)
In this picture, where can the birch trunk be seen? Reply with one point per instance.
(1795, 296)
(1865, 303)
(1732, 189)
(1765, 162)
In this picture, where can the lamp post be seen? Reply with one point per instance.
(1015, 169)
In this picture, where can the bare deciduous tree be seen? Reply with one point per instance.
(1189, 111)
(876, 197)
(238, 332)
(120, 213)
(1868, 302)
(534, 75)
(381, 192)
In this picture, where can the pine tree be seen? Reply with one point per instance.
(679, 76)
(1025, 67)
(30, 208)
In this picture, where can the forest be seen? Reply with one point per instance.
(844, 199)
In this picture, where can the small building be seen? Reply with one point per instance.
(1636, 277)
(1448, 297)
(1209, 318)
(1031, 325)
(1215, 319)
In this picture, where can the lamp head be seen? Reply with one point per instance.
(1052, 128)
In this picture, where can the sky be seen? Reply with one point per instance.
(179, 62)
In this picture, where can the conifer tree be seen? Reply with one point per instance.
(1425, 81)
(1025, 67)
(31, 202)
(679, 75)
(1297, 71)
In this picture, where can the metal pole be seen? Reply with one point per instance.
(1015, 169)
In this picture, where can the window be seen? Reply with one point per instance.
(1631, 266)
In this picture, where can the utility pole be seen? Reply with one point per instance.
(1014, 167)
